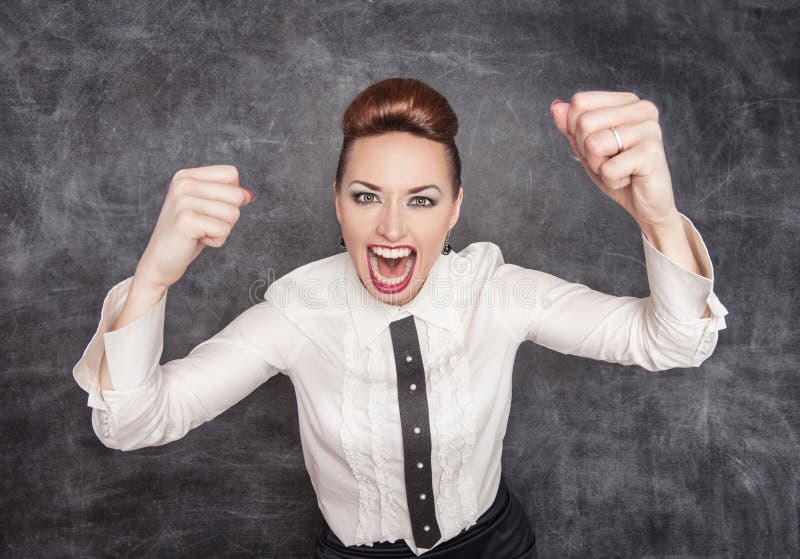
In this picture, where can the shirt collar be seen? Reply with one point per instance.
(433, 303)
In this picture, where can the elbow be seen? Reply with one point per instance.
(659, 342)
(657, 367)
(114, 442)
(105, 430)
(107, 439)
(680, 352)
(129, 428)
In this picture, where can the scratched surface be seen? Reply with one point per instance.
(102, 103)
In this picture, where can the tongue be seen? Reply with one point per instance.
(391, 267)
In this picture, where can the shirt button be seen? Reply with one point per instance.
(420, 465)
(422, 496)
(413, 386)
(426, 528)
(409, 358)
(416, 429)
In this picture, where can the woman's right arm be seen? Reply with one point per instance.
(200, 209)
(152, 404)
(138, 402)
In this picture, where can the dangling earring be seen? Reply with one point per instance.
(341, 243)
(447, 246)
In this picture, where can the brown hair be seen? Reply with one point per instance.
(405, 105)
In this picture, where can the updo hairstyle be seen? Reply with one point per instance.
(404, 105)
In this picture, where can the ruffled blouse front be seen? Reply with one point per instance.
(381, 503)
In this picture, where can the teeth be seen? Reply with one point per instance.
(390, 281)
(391, 253)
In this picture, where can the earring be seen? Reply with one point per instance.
(447, 246)
(341, 243)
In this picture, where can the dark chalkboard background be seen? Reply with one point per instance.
(101, 103)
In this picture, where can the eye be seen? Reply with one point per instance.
(423, 201)
(369, 198)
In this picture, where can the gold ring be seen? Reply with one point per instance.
(619, 140)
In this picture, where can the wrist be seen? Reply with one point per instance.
(660, 233)
(143, 284)
(141, 298)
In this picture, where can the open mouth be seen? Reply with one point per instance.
(391, 268)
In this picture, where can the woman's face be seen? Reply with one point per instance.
(395, 208)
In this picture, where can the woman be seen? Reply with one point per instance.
(401, 350)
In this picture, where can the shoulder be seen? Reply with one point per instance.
(476, 261)
(470, 275)
(503, 290)
(293, 309)
(311, 289)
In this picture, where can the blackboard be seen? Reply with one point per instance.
(102, 103)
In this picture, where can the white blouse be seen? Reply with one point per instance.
(320, 327)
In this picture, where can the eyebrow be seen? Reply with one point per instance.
(412, 190)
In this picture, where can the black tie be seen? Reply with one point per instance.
(414, 422)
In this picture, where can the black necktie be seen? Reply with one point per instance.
(415, 425)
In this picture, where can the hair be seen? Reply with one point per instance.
(401, 105)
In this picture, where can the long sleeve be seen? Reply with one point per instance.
(154, 404)
(658, 332)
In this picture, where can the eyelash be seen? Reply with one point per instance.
(356, 199)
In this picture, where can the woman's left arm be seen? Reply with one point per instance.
(617, 138)
(676, 326)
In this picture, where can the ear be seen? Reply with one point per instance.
(336, 200)
(457, 207)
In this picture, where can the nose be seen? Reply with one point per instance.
(391, 224)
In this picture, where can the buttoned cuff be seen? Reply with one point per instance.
(679, 293)
(132, 352)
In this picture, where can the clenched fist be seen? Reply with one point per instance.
(629, 166)
(200, 209)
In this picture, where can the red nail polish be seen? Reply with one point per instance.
(252, 196)
(554, 103)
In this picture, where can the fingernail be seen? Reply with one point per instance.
(554, 103)
(252, 196)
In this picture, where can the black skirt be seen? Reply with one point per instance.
(502, 532)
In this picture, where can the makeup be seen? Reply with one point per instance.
(391, 268)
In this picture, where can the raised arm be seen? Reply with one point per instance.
(617, 138)
(200, 209)
(136, 401)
